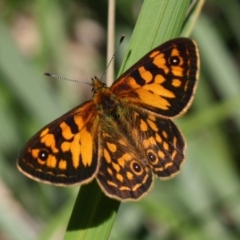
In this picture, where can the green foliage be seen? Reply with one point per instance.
(202, 202)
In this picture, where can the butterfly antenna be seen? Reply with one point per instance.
(120, 41)
(63, 78)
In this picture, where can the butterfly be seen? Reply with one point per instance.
(124, 135)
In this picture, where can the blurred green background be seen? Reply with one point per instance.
(69, 38)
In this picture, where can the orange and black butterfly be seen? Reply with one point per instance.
(124, 135)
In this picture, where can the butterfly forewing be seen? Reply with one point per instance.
(64, 152)
(164, 80)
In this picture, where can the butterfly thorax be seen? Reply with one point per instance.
(103, 98)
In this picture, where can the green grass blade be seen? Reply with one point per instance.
(158, 21)
(94, 214)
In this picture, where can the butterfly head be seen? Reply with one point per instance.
(97, 85)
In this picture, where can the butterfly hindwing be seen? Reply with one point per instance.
(135, 146)
(123, 172)
(162, 142)
(64, 152)
(164, 80)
